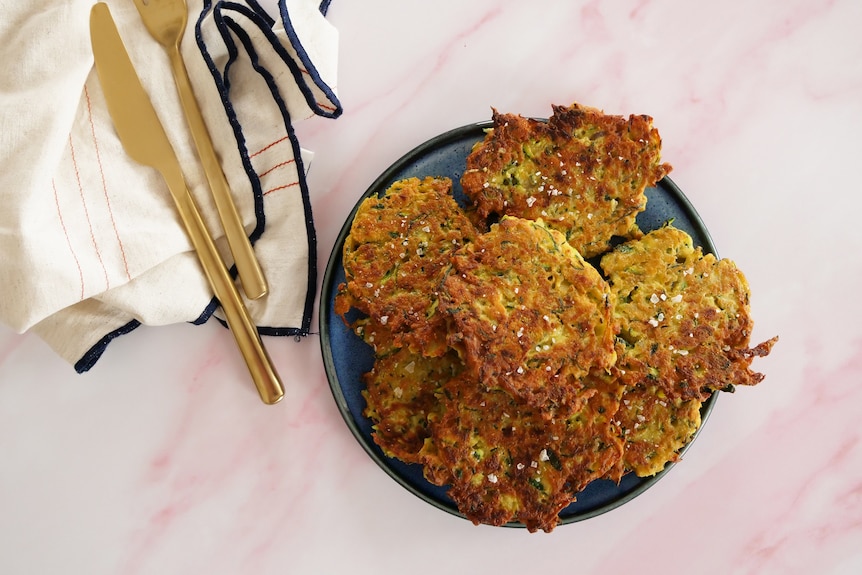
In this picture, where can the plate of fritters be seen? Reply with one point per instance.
(524, 322)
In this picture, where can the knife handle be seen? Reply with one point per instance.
(250, 274)
(263, 373)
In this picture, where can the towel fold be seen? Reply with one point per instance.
(91, 243)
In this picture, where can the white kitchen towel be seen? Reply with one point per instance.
(91, 244)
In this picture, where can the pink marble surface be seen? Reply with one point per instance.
(163, 460)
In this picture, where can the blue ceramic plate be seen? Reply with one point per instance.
(346, 357)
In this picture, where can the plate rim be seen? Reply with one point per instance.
(324, 316)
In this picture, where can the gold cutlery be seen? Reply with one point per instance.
(144, 139)
(166, 21)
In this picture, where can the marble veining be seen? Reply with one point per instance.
(163, 460)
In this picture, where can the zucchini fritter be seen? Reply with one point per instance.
(654, 428)
(393, 258)
(528, 314)
(683, 315)
(400, 395)
(505, 461)
(583, 172)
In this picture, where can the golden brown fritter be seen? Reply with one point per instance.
(583, 173)
(528, 314)
(505, 461)
(379, 337)
(654, 428)
(684, 316)
(400, 394)
(393, 258)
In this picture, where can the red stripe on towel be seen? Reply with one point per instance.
(275, 167)
(68, 240)
(268, 146)
(281, 188)
(105, 185)
(87, 213)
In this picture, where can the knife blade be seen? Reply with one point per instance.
(144, 139)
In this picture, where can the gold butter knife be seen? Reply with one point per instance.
(166, 22)
(144, 139)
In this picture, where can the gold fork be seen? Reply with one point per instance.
(166, 21)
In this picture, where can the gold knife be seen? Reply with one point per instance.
(144, 139)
